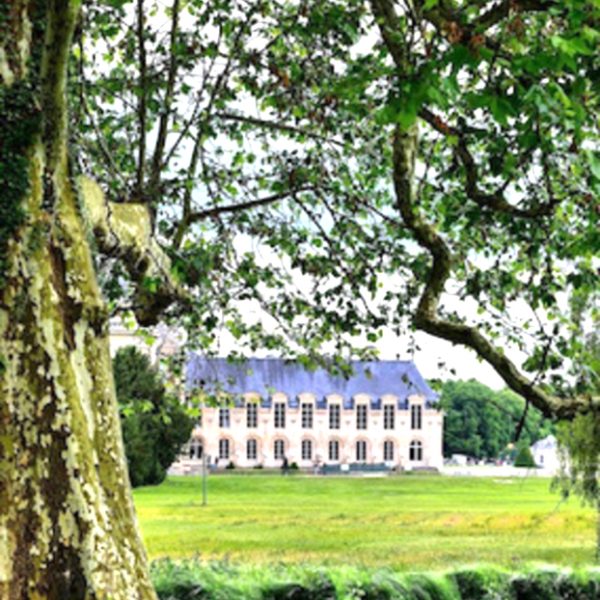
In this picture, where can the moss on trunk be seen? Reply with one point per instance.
(67, 521)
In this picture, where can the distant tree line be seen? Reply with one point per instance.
(481, 422)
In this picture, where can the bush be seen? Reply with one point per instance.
(230, 465)
(194, 580)
(259, 466)
(479, 583)
(294, 466)
(321, 589)
(524, 457)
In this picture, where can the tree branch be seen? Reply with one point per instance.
(494, 201)
(391, 32)
(233, 208)
(426, 318)
(157, 160)
(501, 10)
(59, 34)
(141, 111)
(125, 230)
(276, 126)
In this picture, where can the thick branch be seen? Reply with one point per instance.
(125, 230)
(426, 317)
(59, 34)
(494, 201)
(391, 31)
(501, 10)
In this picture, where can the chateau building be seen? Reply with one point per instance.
(385, 414)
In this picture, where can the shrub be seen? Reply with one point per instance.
(478, 583)
(533, 586)
(230, 465)
(322, 590)
(155, 425)
(524, 457)
(194, 580)
(294, 466)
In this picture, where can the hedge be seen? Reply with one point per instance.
(196, 580)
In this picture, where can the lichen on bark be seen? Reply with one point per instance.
(67, 521)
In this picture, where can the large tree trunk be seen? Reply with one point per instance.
(598, 531)
(67, 522)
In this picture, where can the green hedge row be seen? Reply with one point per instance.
(194, 580)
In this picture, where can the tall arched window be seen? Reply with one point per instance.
(224, 448)
(306, 450)
(388, 450)
(361, 451)
(278, 449)
(334, 450)
(196, 448)
(251, 449)
(416, 450)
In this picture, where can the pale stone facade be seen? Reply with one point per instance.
(157, 342)
(400, 427)
(545, 454)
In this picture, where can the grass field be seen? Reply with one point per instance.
(407, 522)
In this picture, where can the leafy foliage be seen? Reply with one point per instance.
(270, 171)
(155, 425)
(481, 423)
(581, 440)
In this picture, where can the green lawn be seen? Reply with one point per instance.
(407, 522)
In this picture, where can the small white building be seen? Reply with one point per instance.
(545, 454)
(385, 415)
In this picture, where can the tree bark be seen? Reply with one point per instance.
(67, 521)
(598, 531)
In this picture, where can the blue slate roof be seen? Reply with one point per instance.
(266, 375)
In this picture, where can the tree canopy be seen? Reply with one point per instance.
(344, 168)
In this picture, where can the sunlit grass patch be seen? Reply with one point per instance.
(404, 522)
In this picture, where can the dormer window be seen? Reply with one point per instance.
(224, 417)
(388, 416)
(279, 408)
(361, 416)
(251, 415)
(416, 416)
(334, 416)
(307, 415)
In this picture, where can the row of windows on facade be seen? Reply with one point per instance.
(307, 410)
(415, 450)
